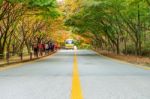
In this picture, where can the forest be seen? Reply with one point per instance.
(25, 22)
(119, 26)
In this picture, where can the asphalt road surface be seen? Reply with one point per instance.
(90, 75)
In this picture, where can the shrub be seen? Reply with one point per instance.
(129, 50)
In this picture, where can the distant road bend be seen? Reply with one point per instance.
(75, 75)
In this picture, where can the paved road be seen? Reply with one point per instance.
(51, 78)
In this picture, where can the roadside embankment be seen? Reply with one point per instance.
(128, 58)
(16, 60)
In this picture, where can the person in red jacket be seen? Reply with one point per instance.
(55, 46)
(40, 46)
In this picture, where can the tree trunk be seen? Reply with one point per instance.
(1, 52)
(117, 45)
(125, 46)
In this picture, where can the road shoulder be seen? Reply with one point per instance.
(21, 63)
(143, 66)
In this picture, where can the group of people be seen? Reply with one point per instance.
(44, 48)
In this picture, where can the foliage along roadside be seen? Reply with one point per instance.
(121, 26)
(24, 22)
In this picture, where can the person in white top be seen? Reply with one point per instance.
(46, 48)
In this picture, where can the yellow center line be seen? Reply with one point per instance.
(76, 87)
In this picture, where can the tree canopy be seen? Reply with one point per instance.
(25, 22)
(115, 25)
(120, 26)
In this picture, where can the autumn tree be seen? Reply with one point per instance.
(13, 16)
(113, 24)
